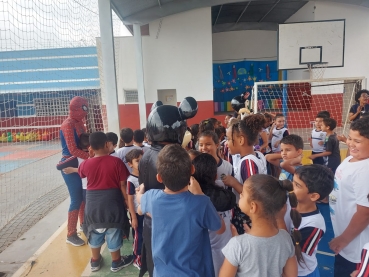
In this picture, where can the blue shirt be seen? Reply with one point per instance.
(180, 238)
(285, 175)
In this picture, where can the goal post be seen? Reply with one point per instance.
(301, 100)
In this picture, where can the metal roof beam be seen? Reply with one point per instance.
(247, 5)
(220, 9)
(272, 8)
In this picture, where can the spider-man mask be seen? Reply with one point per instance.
(78, 108)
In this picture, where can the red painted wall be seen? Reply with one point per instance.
(331, 102)
(129, 117)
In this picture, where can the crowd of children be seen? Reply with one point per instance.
(235, 201)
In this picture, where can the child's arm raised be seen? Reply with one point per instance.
(227, 269)
(271, 131)
(264, 138)
(290, 269)
(323, 154)
(289, 165)
(274, 158)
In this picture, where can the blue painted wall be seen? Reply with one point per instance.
(45, 73)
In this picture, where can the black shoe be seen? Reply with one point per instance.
(124, 262)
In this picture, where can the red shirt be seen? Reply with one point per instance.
(104, 172)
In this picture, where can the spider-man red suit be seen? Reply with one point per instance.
(70, 131)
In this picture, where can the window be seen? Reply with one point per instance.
(131, 96)
(51, 106)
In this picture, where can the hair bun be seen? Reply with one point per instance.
(254, 121)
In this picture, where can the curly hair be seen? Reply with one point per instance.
(249, 127)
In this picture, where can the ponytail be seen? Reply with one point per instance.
(273, 194)
(296, 219)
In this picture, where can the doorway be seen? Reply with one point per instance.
(168, 96)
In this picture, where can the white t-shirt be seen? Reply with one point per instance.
(132, 184)
(316, 137)
(84, 180)
(351, 188)
(364, 267)
(246, 164)
(278, 134)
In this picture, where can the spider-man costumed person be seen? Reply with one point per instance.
(70, 131)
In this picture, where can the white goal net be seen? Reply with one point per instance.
(48, 55)
(301, 100)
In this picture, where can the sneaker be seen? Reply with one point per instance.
(124, 262)
(75, 240)
(136, 265)
(95, 266)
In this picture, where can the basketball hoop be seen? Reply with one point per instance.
(317, 70)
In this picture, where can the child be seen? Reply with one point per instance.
(209, 143)
(264, 135)
(233, 159)
(348, 201)
(145, 141)
(112, 143)
(262, 199)
(138, 138)
(126, 135)
(317, 138)
(361, 106)
(133, 157)
(311, 183)
(222, 199)
(277, 132)
(193, 154)
(331, 155)
(241, 138)
(194, 132)
(291, 154)
(84, 144)
(206, 125)
(105, 203)
(181, 246)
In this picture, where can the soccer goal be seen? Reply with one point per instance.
(301, 100)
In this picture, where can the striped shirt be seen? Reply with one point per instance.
(364, 265)
(312, 228)
(247, 166)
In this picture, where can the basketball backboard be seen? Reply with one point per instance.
(304, 43)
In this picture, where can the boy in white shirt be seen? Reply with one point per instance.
(348, 201)
(318, 137)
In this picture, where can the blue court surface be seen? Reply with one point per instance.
(325, 255)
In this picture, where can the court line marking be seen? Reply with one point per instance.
(33, 258)
(325, 253)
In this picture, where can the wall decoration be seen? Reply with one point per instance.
(232, 79)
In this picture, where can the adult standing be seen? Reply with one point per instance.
(70, 131)
(166, 124)
(361, 106)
